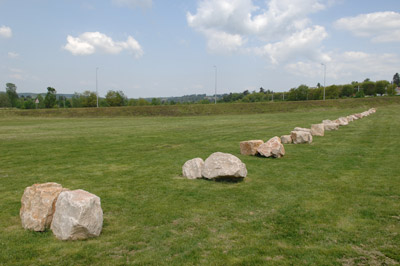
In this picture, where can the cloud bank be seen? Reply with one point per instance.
(91, 42)
(5, 32)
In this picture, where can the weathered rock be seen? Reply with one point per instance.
(342, 121)
(250, 147)
(302, 129)
(78, 215)
(318, 130)
(192, 169)
(38, 205)
(359, 116)
(286, 139)
(372, 110)
(327, 121)
(272, 148)
(350, 118)
(331, 126)
(300, 137)
(224, 165)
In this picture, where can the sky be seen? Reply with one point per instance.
(159, 48)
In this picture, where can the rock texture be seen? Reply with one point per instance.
(300, 137)
(192, 169)
(286, 139)
(78, 216)
(272, 148)
(318, 130)
(224, 165)
(342, 121)
(331, 126)
(38, 205)
(250, 147)
(302, 129)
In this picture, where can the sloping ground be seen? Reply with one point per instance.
(336, 201)
(204, 109)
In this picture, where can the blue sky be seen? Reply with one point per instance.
(150, 48)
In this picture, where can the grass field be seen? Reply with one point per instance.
(334, 202)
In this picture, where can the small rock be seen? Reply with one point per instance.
(224, 165)
(250, 147)
(302, 129)
(272, 148)
(331, 126)
(38, 205)
(318, 130)
(342, 121)
(286, 139)
(300, 137)
(192, 169)
(78, 215)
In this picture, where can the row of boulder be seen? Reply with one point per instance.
(70, 214)
(274, 146)
(227, 166)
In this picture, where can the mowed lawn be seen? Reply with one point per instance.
(336, 201)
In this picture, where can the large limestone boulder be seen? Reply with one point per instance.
(272, 148)
(302, 129)
(342, 121)
(350, 118)
(359, 116)
(318, 130)
(249, 147)
(78, 215)
(224, 165)
(192, 169)
(331, 126)
(38, 205)
(300, 137)
(286, 139)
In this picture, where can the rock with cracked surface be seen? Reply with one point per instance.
(221, 165)
(301, 137)
(249, 147)
(272, 148)
(192, 169)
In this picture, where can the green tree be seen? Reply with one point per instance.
(381, 86)
(116, 98)
(29, 103)
(76, 100)
(50, 99)
(12, 94)
(155, 101)
(142, 102)
(368, 87)
(4, 100)
(347, 91)
(133, 102)
(332, 92)
(396, 79)
(89, 99)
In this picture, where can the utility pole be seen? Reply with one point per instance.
(97, 93)
(324, 77)
(215, 95)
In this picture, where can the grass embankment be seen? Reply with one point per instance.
(205, 109)
(332, 202)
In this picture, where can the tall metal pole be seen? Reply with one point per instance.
(97, 93)
(324, 77)
(215, 95)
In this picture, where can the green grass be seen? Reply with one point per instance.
(336, 201)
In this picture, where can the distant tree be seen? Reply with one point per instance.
(29, 103)
(204, 101)
(142, 102)
(89, 99)
(391, 89)
(396, 79)
(116, 98)
(380, 86)
(76, 100)
(4, 100)
(50, 99)
(41, 101)
(318, 85)
(347, 91)
(368, 87)
(262, 90)
(12, 94)
(155, 101)
(246, 92)
(332, 92)
(133, 102)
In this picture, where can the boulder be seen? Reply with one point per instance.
(354, 117)
(318, 130)
(249, 147)
(300, 137)
(192, 169)
(342, 121)
(359, 116)
(78, 215)
(327, 121)
(350, 118)
(372, 110)
(224, 165)
(302, 129)
(38, 205)
(272, 148)
(286, 139)
(331, 126)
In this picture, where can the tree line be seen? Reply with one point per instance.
(367, 88)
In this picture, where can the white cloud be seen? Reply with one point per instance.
(349, 65)
(12, 55)
(91, 42)
(5, 32)
(133, 3)
(379, 26)
(233, 25)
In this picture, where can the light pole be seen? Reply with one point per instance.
(97, 93)
(324, 77)
(215, 95)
